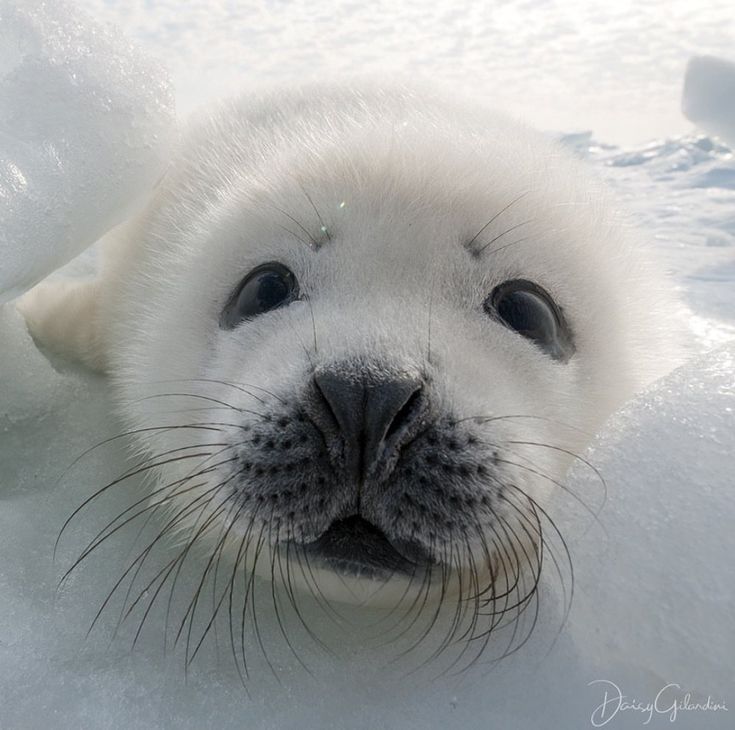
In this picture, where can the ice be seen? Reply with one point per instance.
(665, 564)
(85, 123)
(709, 95)
(654, 584)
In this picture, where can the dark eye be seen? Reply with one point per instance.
(526, 308)
(266, 287)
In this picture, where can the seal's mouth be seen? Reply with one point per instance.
(355, 546)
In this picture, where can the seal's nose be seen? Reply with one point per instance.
(370, 417)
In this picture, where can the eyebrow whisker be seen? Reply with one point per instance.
(468, 245)
(507, 245)
(295, 235)
(323, 228)
(313, 243)
(479, 251)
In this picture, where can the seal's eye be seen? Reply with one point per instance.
(266, 287)
(526, 308)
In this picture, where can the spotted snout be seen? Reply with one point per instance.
(368, 470)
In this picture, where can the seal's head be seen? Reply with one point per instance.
(369, 329)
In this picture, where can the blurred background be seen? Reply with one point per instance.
(612, 67)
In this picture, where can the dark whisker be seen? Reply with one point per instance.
(182, 514)
(576, 457)
(505, 245)
(306, 243)
(470, 243)
(216, 553)
(322, 227)
(489, 419)
(313, 243)
(237, 385)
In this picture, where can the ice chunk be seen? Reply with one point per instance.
(656, 595)
(85, 124)
(709, 95)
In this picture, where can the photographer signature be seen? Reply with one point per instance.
(669, 702)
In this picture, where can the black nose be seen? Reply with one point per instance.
(369, 417)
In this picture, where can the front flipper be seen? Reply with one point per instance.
(63, 316)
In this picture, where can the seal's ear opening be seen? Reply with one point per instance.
(62, 316)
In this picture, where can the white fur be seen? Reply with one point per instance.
(401, 178)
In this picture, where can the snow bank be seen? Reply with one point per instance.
(709, 96)
(85, 122)
(654, 585)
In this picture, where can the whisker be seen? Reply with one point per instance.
(469, 244)
(242, 387)
(322, 227)
(506, 245)
(312, 241)
(576, 457)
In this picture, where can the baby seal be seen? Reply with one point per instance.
(366, 328)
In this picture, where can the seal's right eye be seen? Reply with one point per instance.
(266, 287)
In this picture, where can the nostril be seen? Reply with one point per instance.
(340, 402)
(407, 413)
(324, 396)
(391, 407)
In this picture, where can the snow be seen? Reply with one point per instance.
(85, 122)
(654, 583)
(682, 191)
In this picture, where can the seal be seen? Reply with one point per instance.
(367, 328)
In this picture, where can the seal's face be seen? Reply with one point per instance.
(375, 355)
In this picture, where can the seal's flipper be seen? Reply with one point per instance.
(62, 315)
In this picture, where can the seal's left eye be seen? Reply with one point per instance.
(527, 309)
(266, 287)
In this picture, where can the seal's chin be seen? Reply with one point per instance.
(355, 547)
